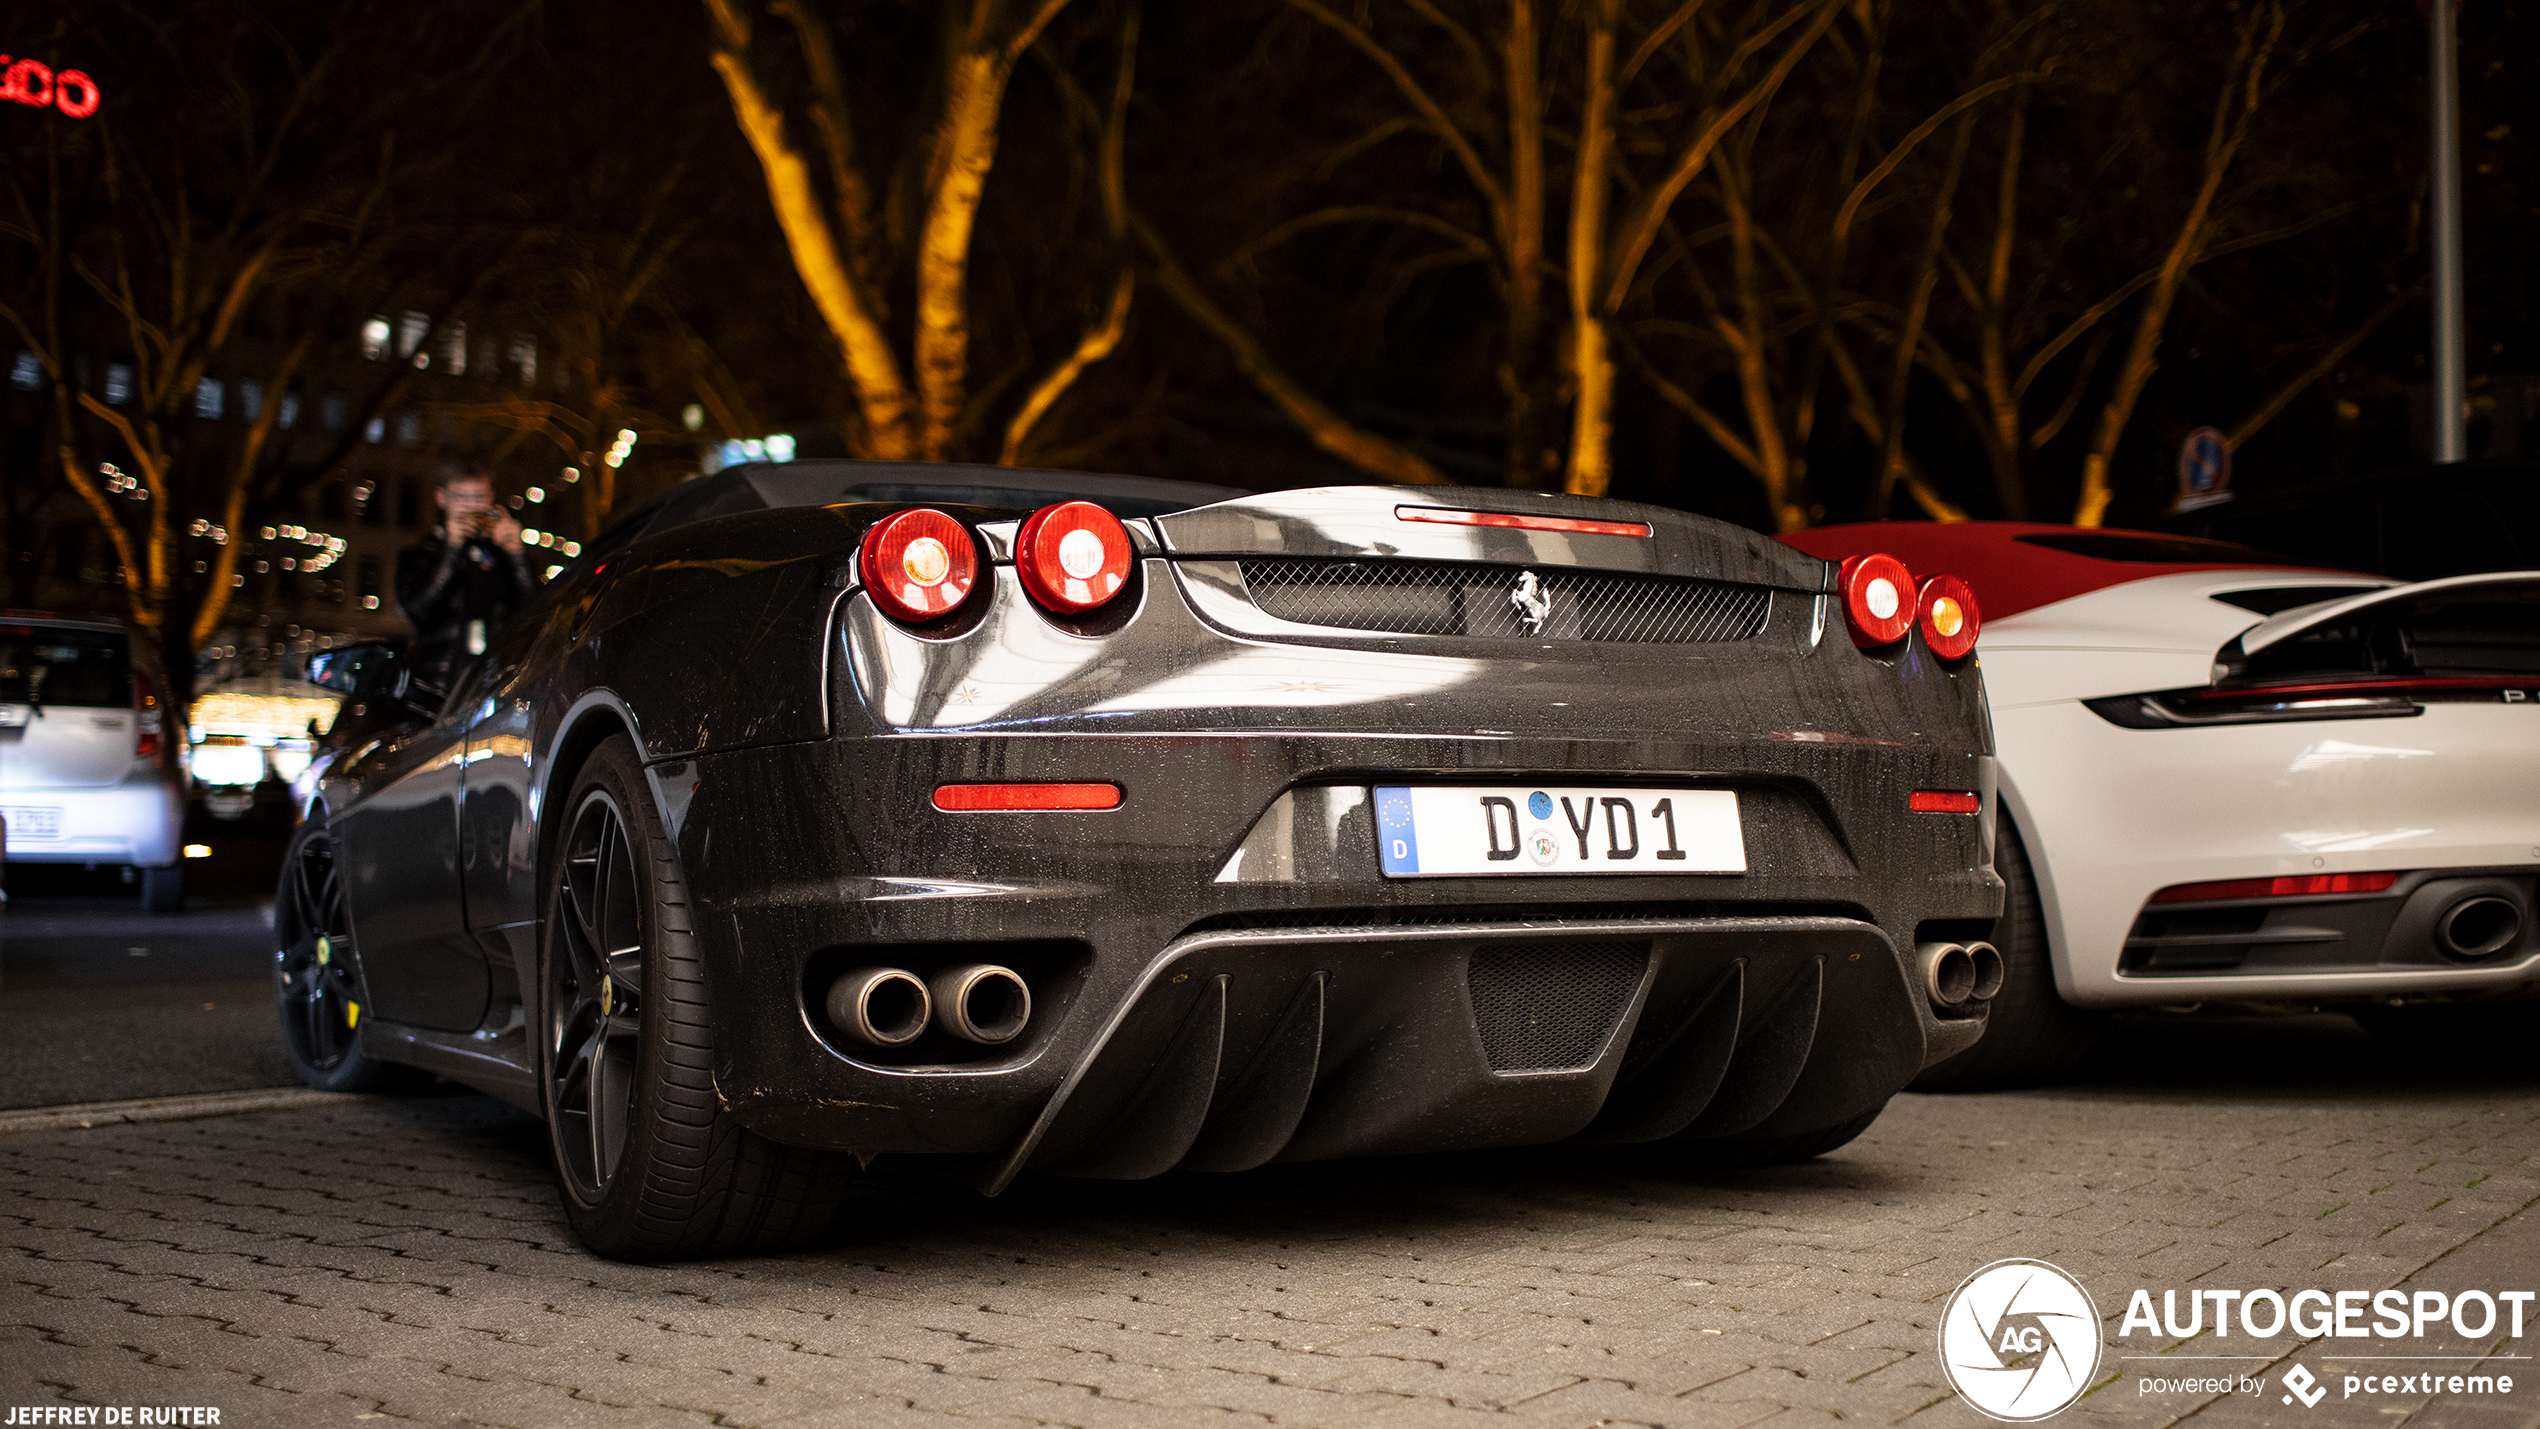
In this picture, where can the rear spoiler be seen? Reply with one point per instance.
(2276, 629)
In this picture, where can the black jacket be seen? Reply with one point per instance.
(457, 597)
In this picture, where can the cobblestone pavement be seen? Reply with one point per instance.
(386, 1259)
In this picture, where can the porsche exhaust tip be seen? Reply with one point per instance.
(880, 1007)
(982, 1003)
(1990, 971)
(2478, 927)
(1949, 973)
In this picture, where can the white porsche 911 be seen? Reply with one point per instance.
(2226, 778)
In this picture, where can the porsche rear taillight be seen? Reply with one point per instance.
(1878, 599)
(146, 720)
(918, 565)
(1073, 557)
(1948, 617)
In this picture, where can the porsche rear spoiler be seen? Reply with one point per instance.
(2507, 601)
(2387, 652)
(2276, 629)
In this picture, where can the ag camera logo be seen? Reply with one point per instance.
(2019, 1340)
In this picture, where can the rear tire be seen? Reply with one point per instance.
(1730, 1153)
(649, 1164)
(2032, 1036)
(163, 889)
(316, 974)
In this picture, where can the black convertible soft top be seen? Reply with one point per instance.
(765, 486)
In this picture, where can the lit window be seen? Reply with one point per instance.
(376, 432)
(375, 339)
(251, 399)
(118, 383)
(209, 398)
(26, 374)
(454, 349)
(524, 359)
(409, 430)
(289, 416)
(412, 328)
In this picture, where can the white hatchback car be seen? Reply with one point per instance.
(85, 775)
(2229, 779)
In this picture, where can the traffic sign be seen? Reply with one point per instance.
(2204, 470)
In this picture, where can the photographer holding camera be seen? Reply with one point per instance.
(462, 580)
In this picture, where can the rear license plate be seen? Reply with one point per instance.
(1427, 832)
(32, 822)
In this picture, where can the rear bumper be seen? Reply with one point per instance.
(1307, 1007)
(141, 822)
(2113, 815)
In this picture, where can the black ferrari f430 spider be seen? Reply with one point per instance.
(1104, 827)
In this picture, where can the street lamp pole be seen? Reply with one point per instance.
(2451, 422)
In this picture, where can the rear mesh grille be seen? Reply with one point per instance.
(1545, 1007)
(1457, 598)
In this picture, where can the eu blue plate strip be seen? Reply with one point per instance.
(1397, 841)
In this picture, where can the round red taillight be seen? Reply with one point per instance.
(1949, 617)
(1878, 598)
(1072, 557)
(918, 565)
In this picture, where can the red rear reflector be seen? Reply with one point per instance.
(2297, 886)
(1942, 801)
(979, 798)
(1449, 516)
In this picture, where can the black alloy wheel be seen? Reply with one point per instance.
(316, 977)
(595, 998)
(650, 1165)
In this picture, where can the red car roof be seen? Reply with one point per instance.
(2020, 565)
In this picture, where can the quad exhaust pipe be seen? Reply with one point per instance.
(1955, 974)
(880, 1007)
(891, 1007)
(981, 1002)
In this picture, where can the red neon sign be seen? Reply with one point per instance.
(34, 82)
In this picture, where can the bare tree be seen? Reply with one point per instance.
(855, 222)
(176, 234)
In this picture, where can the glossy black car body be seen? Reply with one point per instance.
(1221, 974)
